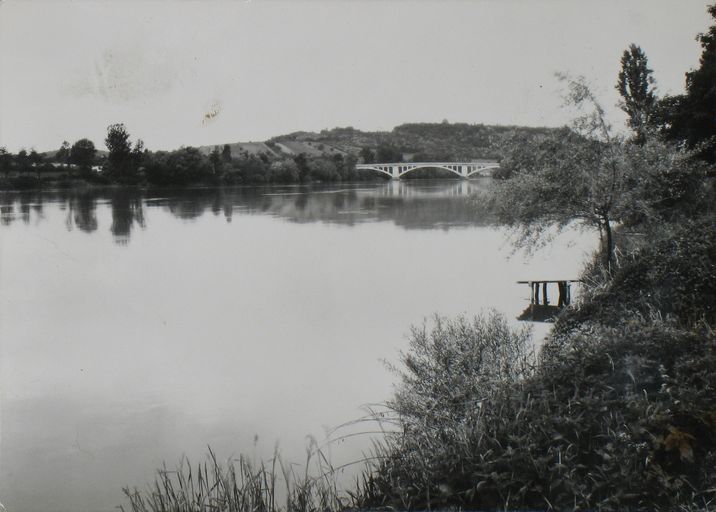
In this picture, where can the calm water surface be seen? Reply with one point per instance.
(139, 326)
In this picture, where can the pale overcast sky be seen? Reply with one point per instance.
(265, 68)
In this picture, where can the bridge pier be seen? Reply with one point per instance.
(395, 172)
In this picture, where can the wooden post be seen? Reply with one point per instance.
(545, 300)
(536, 294)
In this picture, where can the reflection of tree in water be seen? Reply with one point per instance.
(193, 203)
(25, 203)
(186, 208)
(86, 212)
(222, 203)
(127, 210)
(301, 202)
(6, 211)
(421, 206)
(20, 206)
(429, 213)
(81, 211)
(340, 201)
(411, 206)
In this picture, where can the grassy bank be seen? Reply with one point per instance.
(618, 412)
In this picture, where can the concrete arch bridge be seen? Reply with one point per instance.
(462, 169)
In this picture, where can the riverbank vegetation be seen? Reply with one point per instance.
(242, 485)
(617, 411)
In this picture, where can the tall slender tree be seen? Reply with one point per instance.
(636, 87)
(117, 142)
(215, 159)
(123, 160)
(226, 154)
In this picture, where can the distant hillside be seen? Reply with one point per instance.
(252, 148)
(430, 141)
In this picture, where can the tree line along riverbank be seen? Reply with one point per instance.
(301, 157)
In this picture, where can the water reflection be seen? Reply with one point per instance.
(127, 211)
(409, 205)
(14, 207)
(115, 358)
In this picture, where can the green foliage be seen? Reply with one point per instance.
(82, 153)
(5, 161)
(451, 367)
(631, 408)
(226, 154)
(242, 486)
(181, 167)
(690, 117)
(590, 176)
(450, 379)
(216, 161)
(580, 176)
(63, 154)
(635, 85)
(117, 142)
(672, 272)
(123, 162)
(367, 155)
(388, 154)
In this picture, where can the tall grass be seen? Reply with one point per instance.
(245, 485)
(240, 485)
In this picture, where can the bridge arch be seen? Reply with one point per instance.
(366, 167)
(481, 169)
(430, 166)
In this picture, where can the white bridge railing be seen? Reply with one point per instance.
(462, 169)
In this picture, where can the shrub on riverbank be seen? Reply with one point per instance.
(671, 271)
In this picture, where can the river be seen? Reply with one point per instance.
(137, 326)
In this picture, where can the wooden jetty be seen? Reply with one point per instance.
(539, 309)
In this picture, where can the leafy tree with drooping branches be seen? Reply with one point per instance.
(592, 176)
